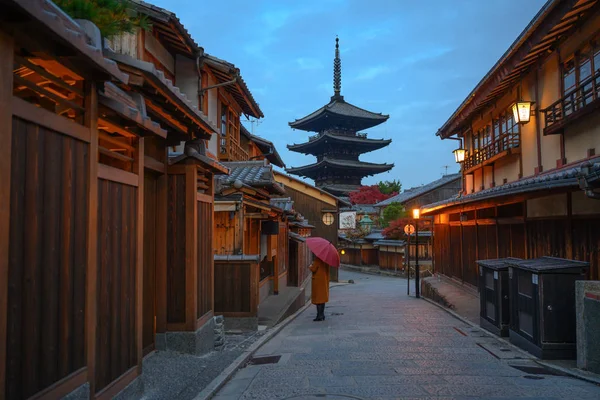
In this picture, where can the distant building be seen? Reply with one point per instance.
(338, 143)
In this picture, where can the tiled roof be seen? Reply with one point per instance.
(362, 165)
(390, 242)
(411, 193)
(562, 178)
(244, 98)
(337, 107)
(257, 174)
(296, 236)
(361, 208)
(542, 264)
(283, 203)
(375, 235)
(266, 146)
(123, 104)
(362, 143)
(340, 189)
(341, 200)
(168, 16)
(215, 166)
(150, 70)
(71, 32)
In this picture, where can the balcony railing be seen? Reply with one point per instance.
(232, 151)
(500, 145)
(576, 102)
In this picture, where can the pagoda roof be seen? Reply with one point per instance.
(365, 144)
(339, 114)
(340, 189)
(363, 168)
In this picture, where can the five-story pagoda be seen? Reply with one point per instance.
(338, 143)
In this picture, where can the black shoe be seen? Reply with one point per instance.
(319, 319)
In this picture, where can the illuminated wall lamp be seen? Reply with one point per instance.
(459, 155)
(522, 111)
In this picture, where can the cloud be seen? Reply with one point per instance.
(426, 55)
(373, 72)
(309, 63)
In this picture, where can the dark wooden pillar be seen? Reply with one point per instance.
(91, 121)
(6, 87)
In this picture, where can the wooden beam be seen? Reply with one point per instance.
(48, 75)
(91, 121)
(166, 116)
(64, 386)
(204, 198)
(117, 385)
(116, 141)
(6, 98)
(114, 128)
(138, 167)
(117, 175)
(114, 154)
(191, 248)
(154, 165)
(29, 112)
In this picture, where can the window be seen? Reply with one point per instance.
(577, 75)
(223, 139)
(328, 218)
(505, 132)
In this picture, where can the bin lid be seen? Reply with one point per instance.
(550, 265)
(497, 264)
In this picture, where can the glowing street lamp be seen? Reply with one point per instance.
(416, 214)
(522, 111)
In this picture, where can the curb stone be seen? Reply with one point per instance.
(217, 384)
(574, 374)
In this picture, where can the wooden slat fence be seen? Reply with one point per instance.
(205, 258)
(47, 258)
(116, 268)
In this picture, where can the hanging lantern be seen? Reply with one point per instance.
(459, 155)
(522, 112)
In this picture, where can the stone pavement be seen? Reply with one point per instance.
(377, 343)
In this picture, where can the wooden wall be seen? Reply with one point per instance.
(150, 259)
(116, 266)
(389, 260)
(312, 210)
(458, 245)
(236, 288)
(47, 258)
(352, 257)
(369, 256)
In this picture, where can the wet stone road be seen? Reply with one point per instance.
(376, 343)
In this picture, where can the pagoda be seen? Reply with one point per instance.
(338, 142)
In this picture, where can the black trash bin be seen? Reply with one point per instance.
(494, 312)
(542, 305)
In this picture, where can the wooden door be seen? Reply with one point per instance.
(149, 290)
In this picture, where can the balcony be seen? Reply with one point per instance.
(503, 145)
(230, 150)
(576, 103)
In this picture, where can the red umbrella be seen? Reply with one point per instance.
(324, 250)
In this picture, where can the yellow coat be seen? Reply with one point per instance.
(320, 282)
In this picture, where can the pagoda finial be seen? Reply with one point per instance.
(337, 70)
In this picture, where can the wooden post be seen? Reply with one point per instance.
(91, 121)
(6, 88)
(161, 253)
(191, 248)
(139, 262)
(569, 237)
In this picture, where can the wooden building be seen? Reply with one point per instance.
(250, 241)
(338, 143)
(391, 254)
(528, 177)
(319, 207)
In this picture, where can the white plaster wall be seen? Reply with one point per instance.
(213, 144)
(186, 76)
(549, 89)
(550, 206)
(477, 179)
(581, 136)
(507, 168)
(583, 205)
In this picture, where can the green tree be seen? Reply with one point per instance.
(389, 187)
(391, 213)
(112, 17)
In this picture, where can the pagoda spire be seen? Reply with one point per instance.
(337, 71)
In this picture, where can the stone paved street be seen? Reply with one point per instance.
(378, 344)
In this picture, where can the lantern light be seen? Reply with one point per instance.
(522, 111)
(343, 252)
(416, 213)
(459, 155)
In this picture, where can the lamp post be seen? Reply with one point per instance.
(416, 215)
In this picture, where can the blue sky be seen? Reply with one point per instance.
(413, 60)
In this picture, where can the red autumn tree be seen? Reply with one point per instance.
(369, 195)
(396, 228)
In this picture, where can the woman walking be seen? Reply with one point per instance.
(320, 287)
